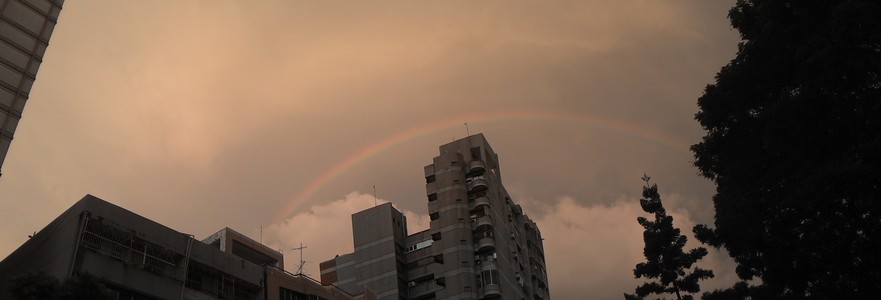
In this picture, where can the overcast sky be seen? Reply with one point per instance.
(285, 114)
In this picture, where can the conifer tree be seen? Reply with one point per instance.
(666, 262)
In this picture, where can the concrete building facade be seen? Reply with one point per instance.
(25, 28)
(479, 245)
(138, 258)
(378, 262)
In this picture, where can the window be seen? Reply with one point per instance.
(420, 245)
(429, 179)
(485, 256)
(434, 216)
(436, 236)
(475, 153)
(483, 231)
(490, 277)
(432, 197)
(286, 294)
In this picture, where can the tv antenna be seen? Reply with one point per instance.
(302, 262)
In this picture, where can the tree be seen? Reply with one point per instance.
(40, 286)
(793, 145)
(84, 286)
(34, 286)
(665, 259)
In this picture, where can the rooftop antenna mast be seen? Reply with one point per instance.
(467, 132)
(374, 195)
(302, 262)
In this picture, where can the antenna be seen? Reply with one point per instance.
(467, 132)
(261, 234)
(374, 195)
(302, 262)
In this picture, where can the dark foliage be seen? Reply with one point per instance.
(794, 146)
(35, 286)
(666, 262)
(40, 286)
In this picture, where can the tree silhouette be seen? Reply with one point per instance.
(665, 260)
(40, 286)
(793, 145)
(34, 286)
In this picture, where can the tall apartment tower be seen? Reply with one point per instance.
(25, 28)
(479, 245)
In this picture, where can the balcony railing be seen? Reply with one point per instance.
(481, 201)
(484, 220)
(491, 291)
(476, 184)
(476, 167)
(486, 244)
(424, 288)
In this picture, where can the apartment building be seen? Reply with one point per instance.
(480, 244)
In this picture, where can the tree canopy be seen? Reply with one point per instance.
(793, 144)
(666, 261)
(40, 286)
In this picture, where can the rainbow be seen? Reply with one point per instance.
(455, 121)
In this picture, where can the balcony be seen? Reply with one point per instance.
(423, 289)
(416, 272)
(486, 244)
(491, 291)
(484, 220)
(488, 264)
(476, 167)
(481, 201)
(476, 184)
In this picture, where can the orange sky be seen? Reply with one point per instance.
(285, 114)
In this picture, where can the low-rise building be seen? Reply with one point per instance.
(138, 258)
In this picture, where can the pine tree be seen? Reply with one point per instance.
(666, 262)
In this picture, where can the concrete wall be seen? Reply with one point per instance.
(235, 243)
(50, 250)
(54, 251)
(379, 235)
(277, 278)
